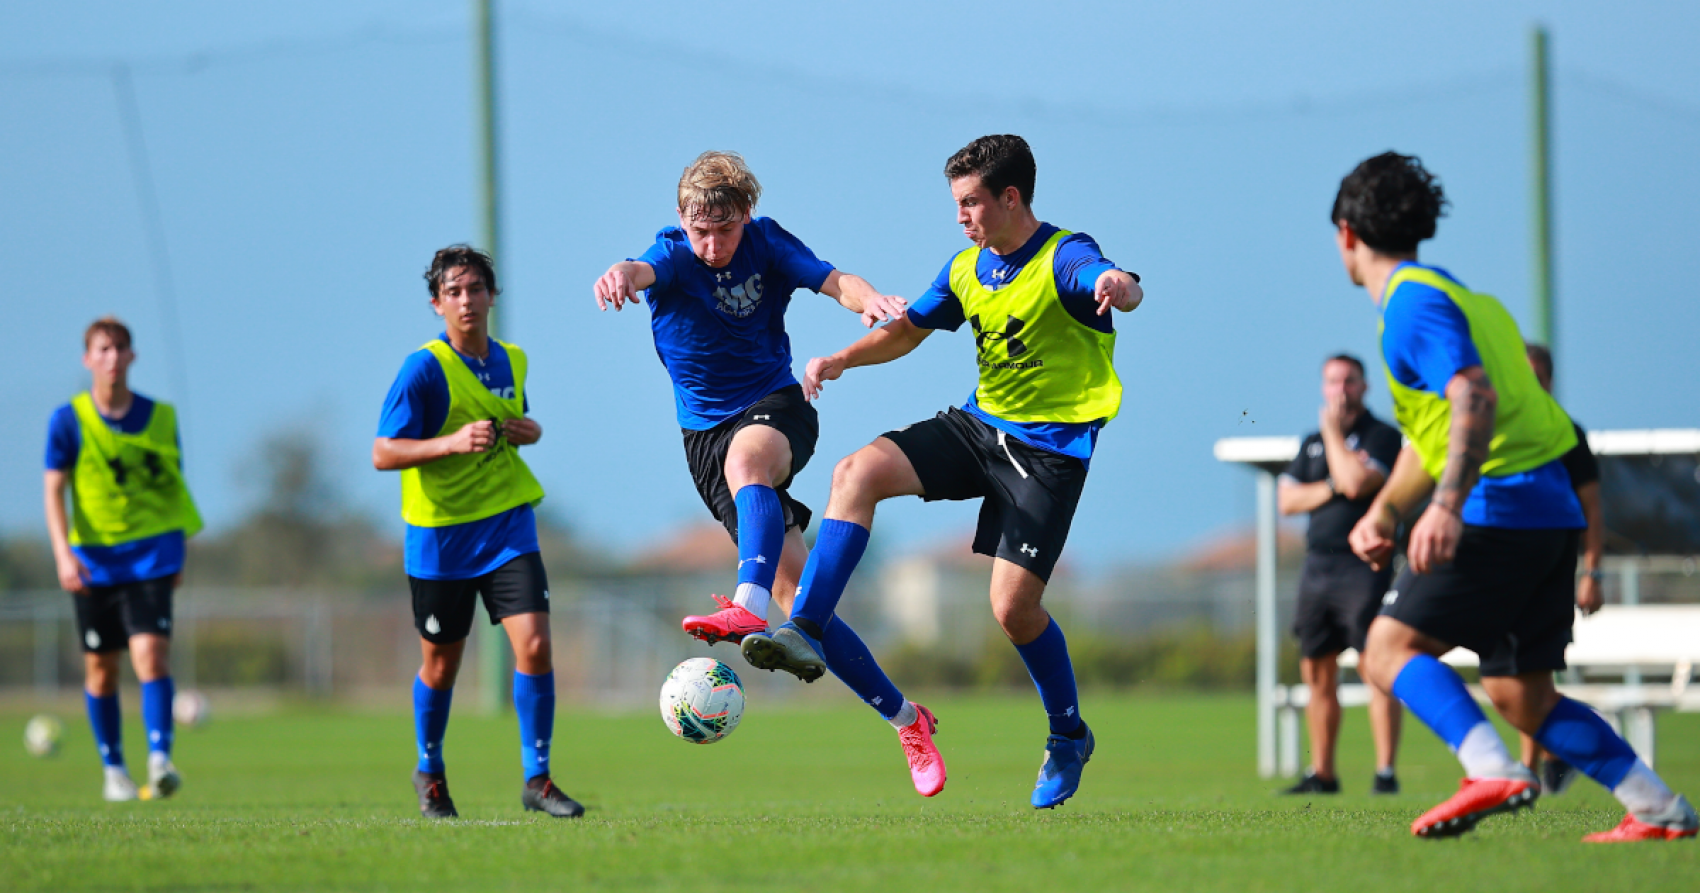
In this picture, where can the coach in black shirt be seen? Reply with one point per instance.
(1335, 477)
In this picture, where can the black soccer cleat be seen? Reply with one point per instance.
(1314, 784)
(541, 795)
(1384, 784)
(433, 791)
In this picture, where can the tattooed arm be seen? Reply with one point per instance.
(1434, 539)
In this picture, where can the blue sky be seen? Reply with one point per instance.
(309, 157)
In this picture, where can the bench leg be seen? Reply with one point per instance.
(1641, 732)
(1287, 736)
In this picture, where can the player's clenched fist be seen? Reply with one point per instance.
(522, 431)
(474, 437)
(1372, 537)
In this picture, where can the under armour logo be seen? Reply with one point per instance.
(1069, 711)
(545, 595)
(759, 559)
(723, 277)
(761, 418)
(1032, 551)
(1015, 345)
(1391, 597)
(876, 701)
(432, 626)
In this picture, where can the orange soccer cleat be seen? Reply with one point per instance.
(1676, 821)
(1477, 798)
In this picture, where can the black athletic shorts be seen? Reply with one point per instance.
(785, 411)
(1029, 495)
(1338, 597)
(442, 609)
(1508, 595)
(109, 615)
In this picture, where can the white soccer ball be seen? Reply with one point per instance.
(189, 708)
(702, 700)
(42, 734)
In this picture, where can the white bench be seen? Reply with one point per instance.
(1654, 640)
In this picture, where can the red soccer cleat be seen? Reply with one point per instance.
(1477, 798)
(1677, 821)
(926, 767)
(729, 624)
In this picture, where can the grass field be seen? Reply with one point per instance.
(800, 799)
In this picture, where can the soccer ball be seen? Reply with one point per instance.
(702, 700)
(189, 708)
(42, 734)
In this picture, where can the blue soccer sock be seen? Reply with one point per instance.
(1053, 674)
(837, 551)
(1578, 736)
(1438, 696)
(761, 539)
(108, 727)
(430, 723)
(849, 659)
(156, 713)
(534, 701)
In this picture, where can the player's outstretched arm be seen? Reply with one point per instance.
(622, 282)
(882, 345)
(397, 453)
(854, 294)
(73, 577)
(1372, 539)
(1117, 289)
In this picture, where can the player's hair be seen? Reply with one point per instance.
(1391, 201)
(718, 187)
(1540, 358)
(112, 328)
(1346, 358)
(460, 256)
(1001, 161)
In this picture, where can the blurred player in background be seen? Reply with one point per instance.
(1492, 559)
(452, 424)
(719, 286)
(1555, 774)
(1037, 298)
(121, 553)
(1334, 477)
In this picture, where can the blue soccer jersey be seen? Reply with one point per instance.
(1425, 341)
(721, 332)
(415, 409)
(1077, 265)
(148, 558)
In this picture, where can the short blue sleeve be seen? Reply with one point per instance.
(795, 261)
(418, 401)
(938, 307)
(1425, 339)
(663, 258)
(63, 439)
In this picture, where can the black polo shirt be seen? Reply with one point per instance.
(1332, 522)
(1580, 461)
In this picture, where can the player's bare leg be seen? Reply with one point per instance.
(1386, 716)
(1321, 676)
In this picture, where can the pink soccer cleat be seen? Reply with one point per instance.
(1477, 798)
(926, 767)
(729, 624)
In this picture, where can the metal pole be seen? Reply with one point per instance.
(1265, 608)
(1632, 596)
(1541, 170)
(492, 651)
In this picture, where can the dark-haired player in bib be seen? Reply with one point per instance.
(1037, 299)
(1493, 556)
(719, 285)
(452, 425)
